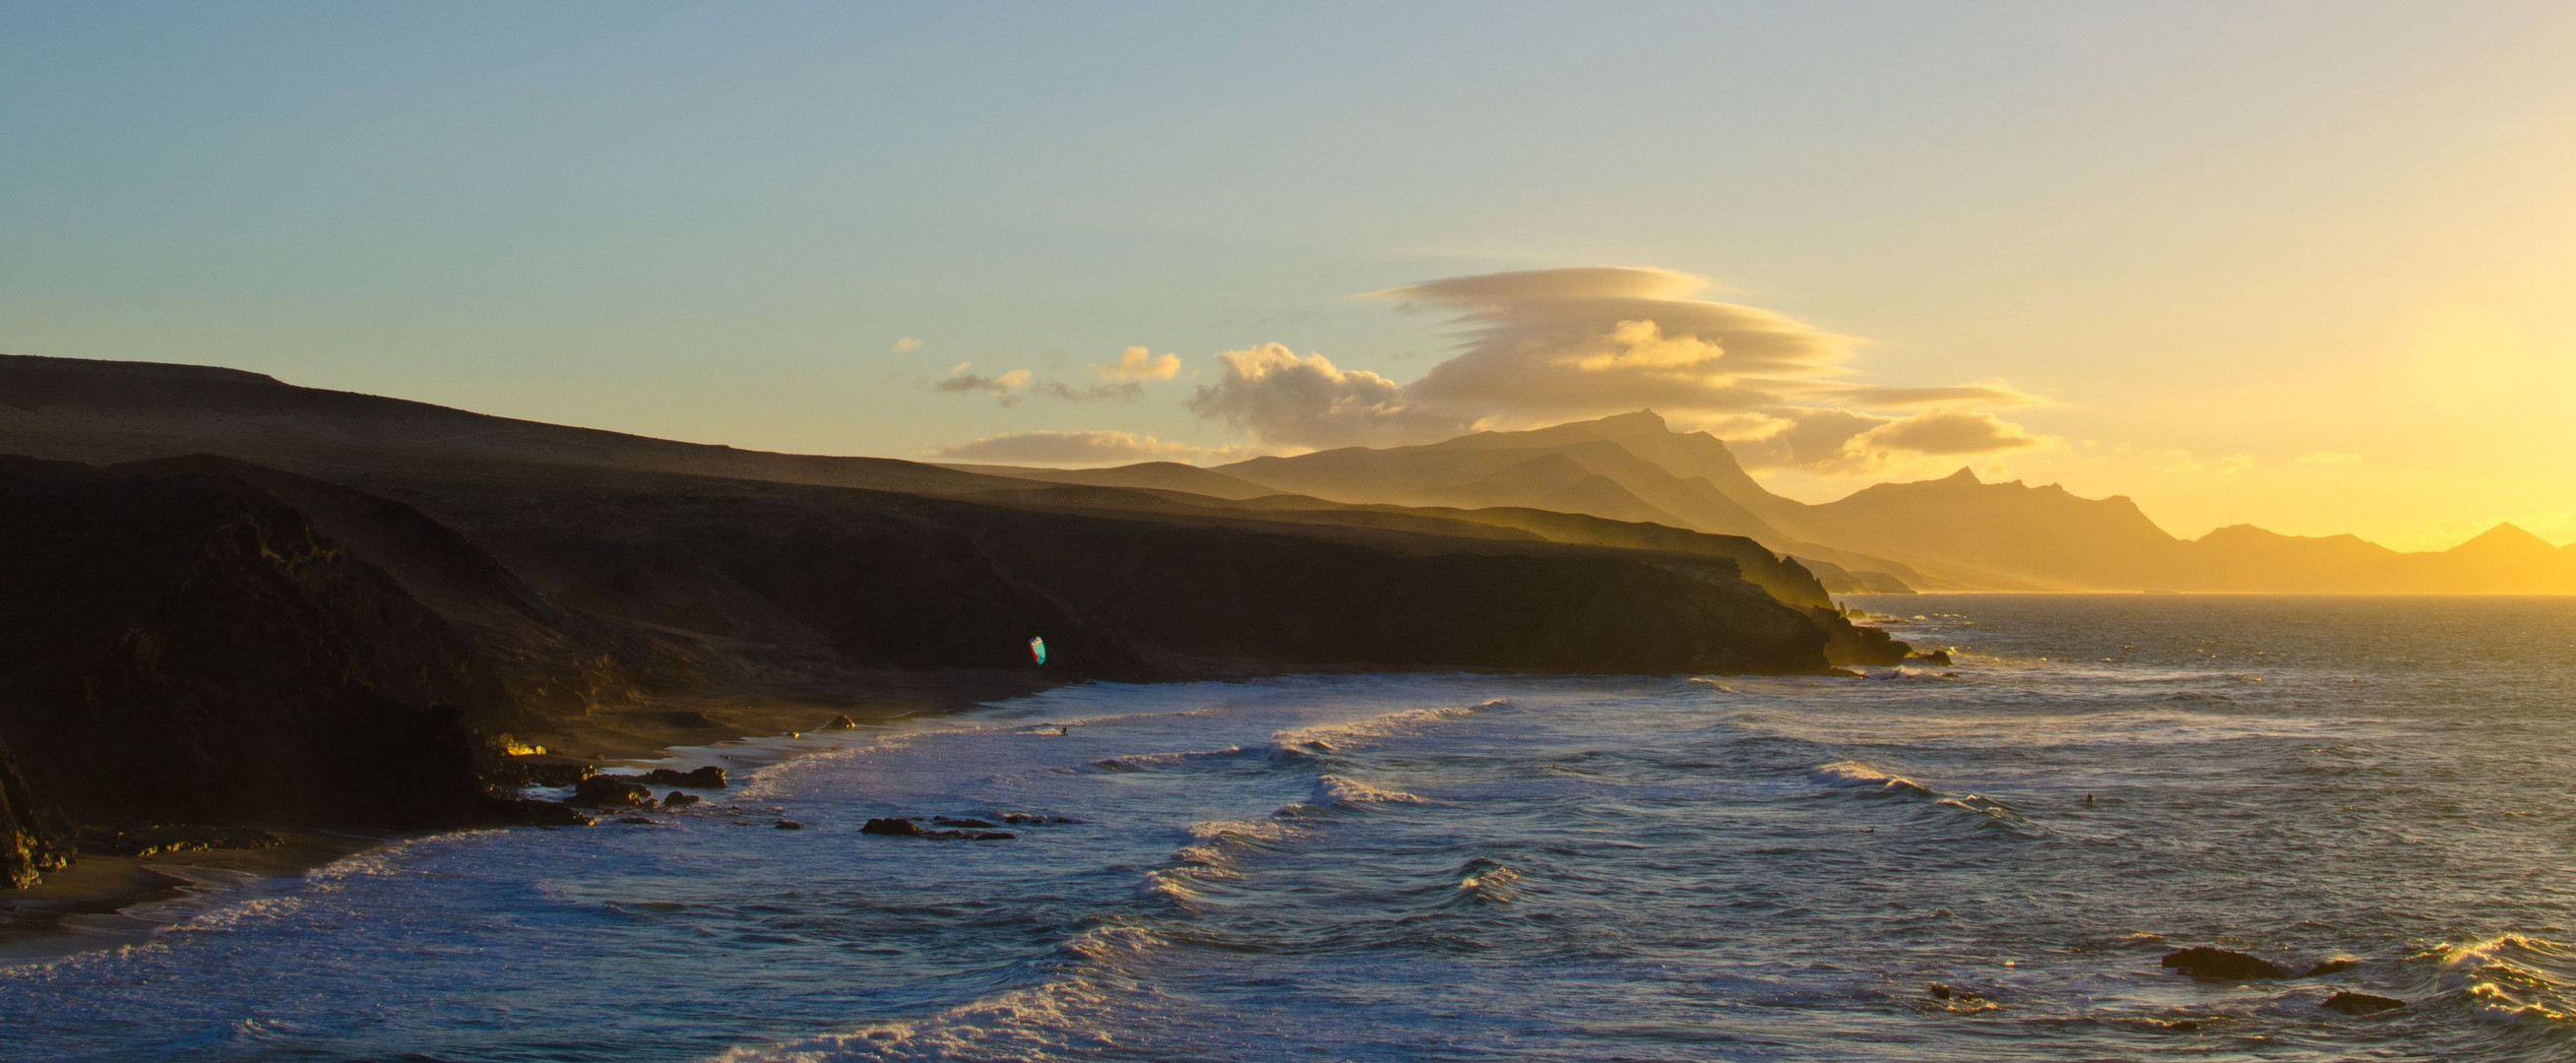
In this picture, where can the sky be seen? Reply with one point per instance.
(2309, 265)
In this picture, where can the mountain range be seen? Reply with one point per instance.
(1953, 533)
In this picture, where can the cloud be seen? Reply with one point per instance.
(907, 344)
(1562, 343)
(2324, 457)
(1003, 388)
(1947, 431)
(1543, 346)
(1138, 363)
(1283, 398)
(1851, 442)
(2235, 463)
(1128, 391)
(1081, 448)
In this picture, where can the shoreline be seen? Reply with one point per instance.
(104, 902)
(88, 906)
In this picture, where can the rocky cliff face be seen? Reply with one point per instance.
(185, 646)
(33, 839)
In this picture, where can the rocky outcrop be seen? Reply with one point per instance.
(33, 840)
(709, 777)
(2222, 965)
(610, 791)
(903, 828)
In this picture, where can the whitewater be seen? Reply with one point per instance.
(1973, 862)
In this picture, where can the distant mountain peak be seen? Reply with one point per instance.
(1638, 418)
(2505, 537)
(1965, 475)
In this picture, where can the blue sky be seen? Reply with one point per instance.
(2200, 233)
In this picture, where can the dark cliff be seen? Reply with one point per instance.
(186, 645)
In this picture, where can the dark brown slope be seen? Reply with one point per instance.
(1145, 475)
(794, 573)
(186, 643)
(106, 412)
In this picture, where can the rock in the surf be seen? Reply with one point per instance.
(2334, 966)
(788, 824)
(897, 827)
(678, 799)
(706, 778)
(610, 791)
(2222, 965)
(841, 722)
(505, 812)
(2351, 1003)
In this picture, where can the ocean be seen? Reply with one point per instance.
(1978, 862)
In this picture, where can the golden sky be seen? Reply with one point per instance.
(2306, 265)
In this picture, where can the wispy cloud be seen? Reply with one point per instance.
(907, 345)
(1855, 443)
(1003, 388)
(1138, 363)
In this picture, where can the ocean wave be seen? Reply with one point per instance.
(1854, 775)
(1342, 790)
(1322, 738)
(1069, 1015)
(1126, 762)
(1485, 881)
(2510, 977)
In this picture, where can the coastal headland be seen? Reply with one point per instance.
(228, 603)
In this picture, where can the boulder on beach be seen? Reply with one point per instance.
(2222, 965)
(2351, 1003)
(610, 791)
(1935, 657)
